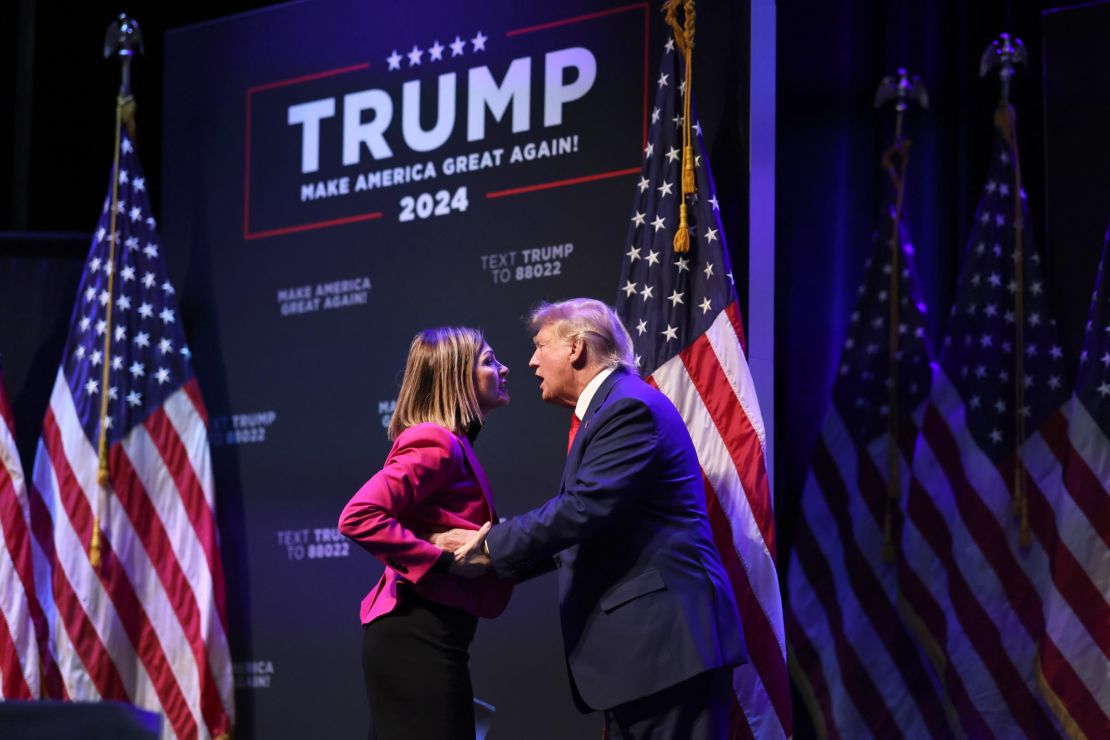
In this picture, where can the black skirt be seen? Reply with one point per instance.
(414, 660)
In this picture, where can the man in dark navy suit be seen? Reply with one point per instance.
(650, 624)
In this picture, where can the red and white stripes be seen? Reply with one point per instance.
(20, 667)
(147, 626)
(711, 386)
(862, 670)
(1073, 667)
(980, 594)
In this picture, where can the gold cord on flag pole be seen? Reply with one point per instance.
(1004, 53)
(894, 472)
(901, 89)
(123, 38)
(102, 477)
(1005, 119)
(684, 39)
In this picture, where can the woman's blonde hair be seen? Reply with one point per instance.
(438, 385)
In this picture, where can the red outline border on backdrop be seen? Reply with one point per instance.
(247, 233)
(567, 22)
(251, 235)
(561, 183)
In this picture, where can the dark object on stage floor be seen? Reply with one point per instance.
(59, 720)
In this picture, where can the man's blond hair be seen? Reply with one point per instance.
(609, 343)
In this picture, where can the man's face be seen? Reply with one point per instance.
(552, 363)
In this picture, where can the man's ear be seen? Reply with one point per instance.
(578, 355)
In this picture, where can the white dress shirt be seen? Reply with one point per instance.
(589, 391)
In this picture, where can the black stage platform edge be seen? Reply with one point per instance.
(60, 720)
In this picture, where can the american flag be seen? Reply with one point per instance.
(973, 577)
(147, 625)
(20, 669)
(683, 314)
(1074, 668)
(852, 658)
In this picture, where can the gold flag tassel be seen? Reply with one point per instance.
(127, 107)
(1005, 119)
(125, 114)
(684, 39)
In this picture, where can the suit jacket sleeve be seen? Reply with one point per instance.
(615, 467)
(426, 458)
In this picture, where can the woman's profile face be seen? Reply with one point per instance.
(490, 381)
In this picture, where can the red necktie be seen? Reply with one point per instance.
(574, 423)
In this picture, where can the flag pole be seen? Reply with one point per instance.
(901, 91)
(1003, 54)
(122, 38)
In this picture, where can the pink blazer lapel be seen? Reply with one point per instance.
(480, 474)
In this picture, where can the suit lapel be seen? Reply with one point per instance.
(480, 475)
(574, 456)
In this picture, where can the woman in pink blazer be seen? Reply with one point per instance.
(420, 617)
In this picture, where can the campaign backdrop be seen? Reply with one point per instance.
(339, 175)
